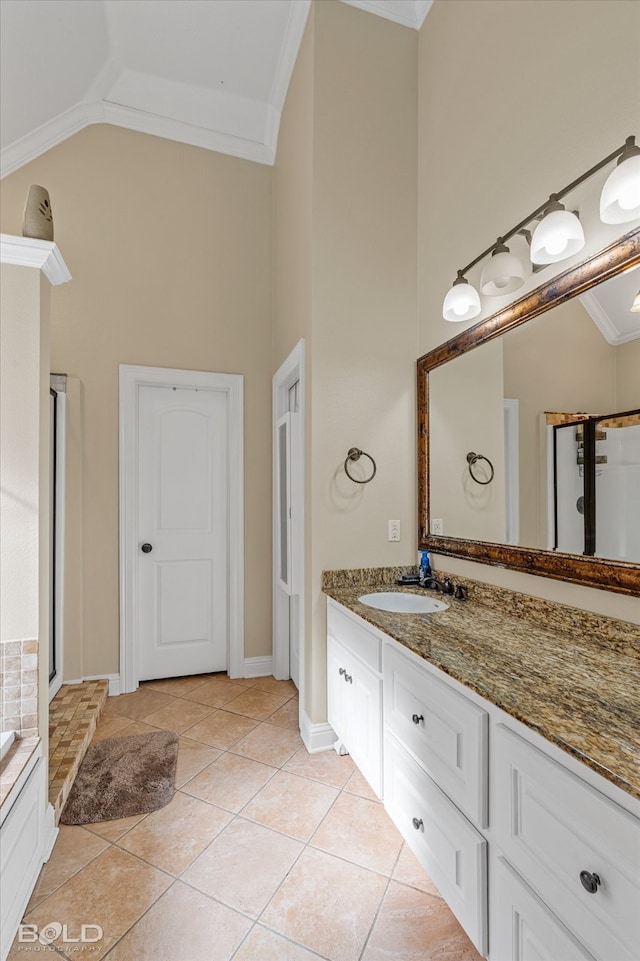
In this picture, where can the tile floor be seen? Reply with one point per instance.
(265, 853)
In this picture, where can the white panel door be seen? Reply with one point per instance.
(183, 531)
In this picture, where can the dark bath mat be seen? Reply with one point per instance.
(122, 776)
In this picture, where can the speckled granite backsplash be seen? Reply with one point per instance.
(571, 675)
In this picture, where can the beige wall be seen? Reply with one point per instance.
(19, 450)
(628, 376)
(346, 281)
(497, 133)
(364, 329)
(292, 262)
(24, 464)
(466, 405)
(169, 247)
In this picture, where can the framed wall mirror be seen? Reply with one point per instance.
(545, 394)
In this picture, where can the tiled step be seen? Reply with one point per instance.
(73, 715)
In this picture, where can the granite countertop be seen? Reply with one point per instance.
(570, 675)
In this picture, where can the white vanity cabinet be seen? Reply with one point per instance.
(537, 856)
(354, 690)
(574, 848)
(435, 781)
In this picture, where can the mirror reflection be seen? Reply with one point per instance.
(522, 402)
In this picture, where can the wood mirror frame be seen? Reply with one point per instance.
(620, 576)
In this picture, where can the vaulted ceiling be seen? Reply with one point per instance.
(212, 73)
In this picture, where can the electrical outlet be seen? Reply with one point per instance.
(394, 530)
(437, 527)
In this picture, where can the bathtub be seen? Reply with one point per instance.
(6, 740)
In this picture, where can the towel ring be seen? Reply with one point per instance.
(355, 454)
(471, 459)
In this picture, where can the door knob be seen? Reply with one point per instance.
(146, 548)
(416, 718)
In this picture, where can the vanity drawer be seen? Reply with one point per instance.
(353, 633)
(522, 926)
(443, 729)
(552, 826)
(447, 845)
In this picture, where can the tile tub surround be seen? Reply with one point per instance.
(19, 689)
(73, 717)
(570, 675)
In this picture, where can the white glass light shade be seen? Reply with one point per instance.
(558, 236)
(462, 301)
(620, 197)
(635, 306)
(502, 274)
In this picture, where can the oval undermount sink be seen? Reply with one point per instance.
(400, 603)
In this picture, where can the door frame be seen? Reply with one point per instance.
(132, 378)
(290, 371)
(59, 448)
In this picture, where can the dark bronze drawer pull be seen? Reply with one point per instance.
(590, 882)
(417, 718)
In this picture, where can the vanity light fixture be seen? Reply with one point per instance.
(635, 306)
(462, 301)
(620, 197)
(557, 236)
(503, 274)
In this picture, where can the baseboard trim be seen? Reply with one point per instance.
(316, 737)
(258, 666)
(113, 679)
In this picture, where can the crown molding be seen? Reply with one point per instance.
(43, 138)
(85, 114)
(605, 324)
(410, 14)
(422, 9)
(298, 16)
(191, 134)
(29, 252)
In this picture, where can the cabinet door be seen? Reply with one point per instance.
(338, 700)
(366, 724)
(355, 710)
(522, 926)
(553, 827)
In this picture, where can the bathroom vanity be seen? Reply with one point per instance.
(503, 735)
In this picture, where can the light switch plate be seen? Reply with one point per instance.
(437, 527)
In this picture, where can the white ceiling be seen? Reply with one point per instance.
(609, 305)
(213, 73)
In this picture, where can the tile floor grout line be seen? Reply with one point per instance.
(375, 918)
(219, 901)
(137, 921)
(380, 917)
(296, 944)
(31, 907)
